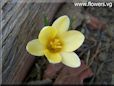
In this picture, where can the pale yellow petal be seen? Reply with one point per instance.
(72, 40)
(34, 47)
(62, 23)
(47, 33)
(71, 59)
(53, 57)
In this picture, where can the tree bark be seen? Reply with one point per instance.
(21, 22)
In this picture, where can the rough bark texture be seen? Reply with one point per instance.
(21, 22)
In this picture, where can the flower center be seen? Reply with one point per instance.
(54, 45)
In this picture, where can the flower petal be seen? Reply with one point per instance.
(62, 23)
(47, 33)
(71, 59)
(72, 40)
(53, 57)
(34, 47)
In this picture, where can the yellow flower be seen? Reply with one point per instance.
(57, 43)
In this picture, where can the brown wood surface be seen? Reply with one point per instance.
(21, 22)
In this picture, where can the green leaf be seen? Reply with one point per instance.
(72, 20)
(46, 21)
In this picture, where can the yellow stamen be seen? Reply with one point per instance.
(54, 45)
